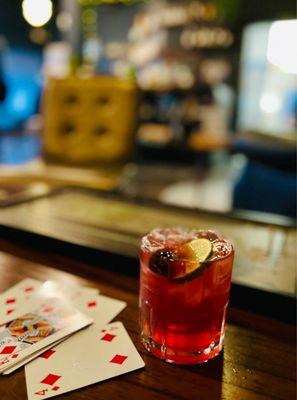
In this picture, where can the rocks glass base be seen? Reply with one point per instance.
(174, 356)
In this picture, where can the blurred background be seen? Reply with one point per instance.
(191, 103)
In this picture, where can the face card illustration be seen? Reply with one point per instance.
(101, 309)
(102, 353)
(33, 331)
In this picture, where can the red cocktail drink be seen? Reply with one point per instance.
(184, 292)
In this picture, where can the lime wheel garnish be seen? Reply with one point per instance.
(191, 256)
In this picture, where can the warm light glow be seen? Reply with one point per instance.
(269, 103)
(281, 49)
(64, 21)
(37, 12)
(38, 35)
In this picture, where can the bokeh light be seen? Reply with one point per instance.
(270, 103)
(37, 12)
(281, 49)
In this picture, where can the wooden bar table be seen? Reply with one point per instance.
(258, 361)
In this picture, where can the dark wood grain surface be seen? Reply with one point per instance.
(258, 361)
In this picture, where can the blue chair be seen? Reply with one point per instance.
(263, 188)
(274, 155)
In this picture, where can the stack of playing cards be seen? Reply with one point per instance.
(60, 333)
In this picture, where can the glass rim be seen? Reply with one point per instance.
(149, 246)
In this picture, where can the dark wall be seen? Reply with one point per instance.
(114, 19)
(241, 12)
(15, 28)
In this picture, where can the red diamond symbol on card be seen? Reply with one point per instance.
(10, 301)
(8, 350)
(118, 359)
(92, 304)
(103, 330)
(48, 309)
(10, 311)
(50, 379)
(47, 354)
(14, 356)
(56, 388)
(108, 337)
(28, 289)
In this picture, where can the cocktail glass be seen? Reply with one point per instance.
(184, 293)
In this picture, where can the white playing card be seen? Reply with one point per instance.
(30, 293)
(69, 292)
(101, 354)
(44, 352)
(14, 301)
(101, 309)
(33, 331)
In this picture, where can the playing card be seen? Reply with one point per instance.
(14, 301)
(26, 360)
(101, 309)
(33, 331)
(68, 292)
(32, 357)
(30, 293)
(102, 354)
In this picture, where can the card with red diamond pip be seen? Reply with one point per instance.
(101, 353)
(101, 309)
(29, 293)
(35, 330)
(18, 299)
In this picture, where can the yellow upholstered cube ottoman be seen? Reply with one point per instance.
(89, 120)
